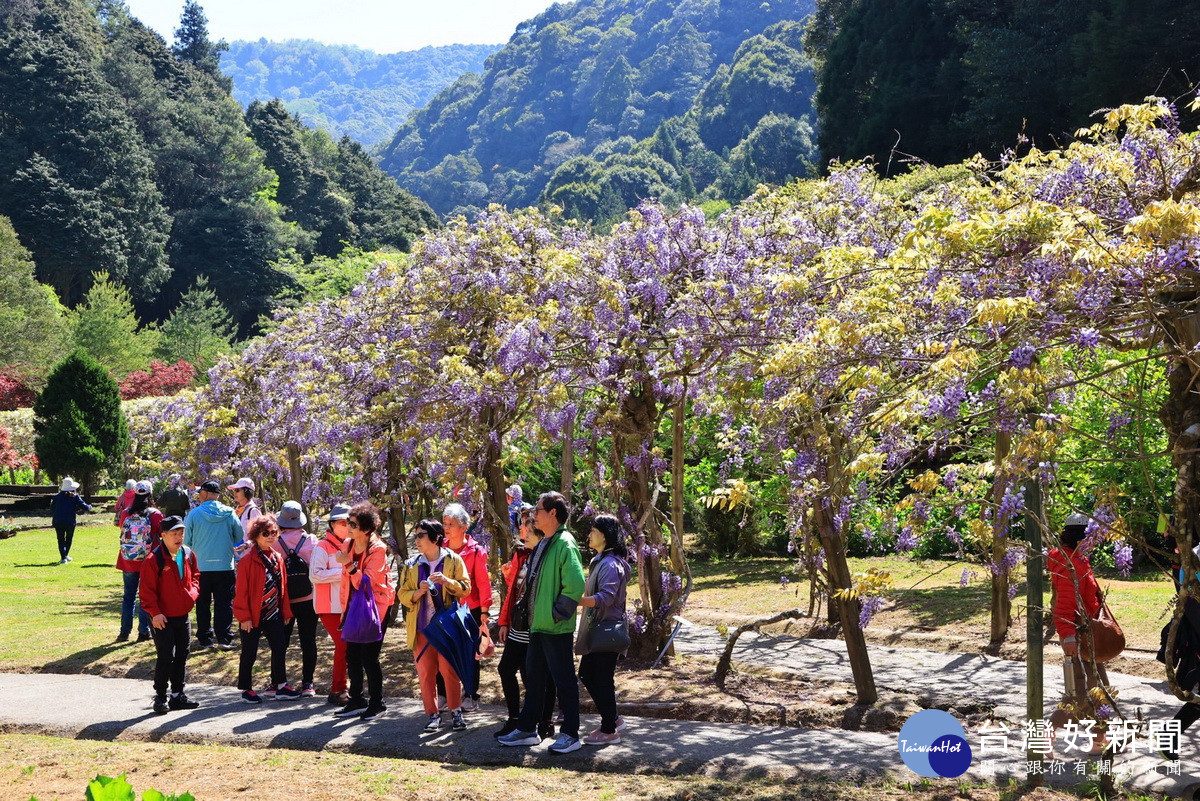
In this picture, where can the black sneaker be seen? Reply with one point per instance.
(122, 638)
(227, 646)
(353, 707)
(161, 706)
(459, 724)
(251, 697)
(373, 712)
(545, 730)
(181, 701)
(143, 636)
(203, 644)
(285, 692)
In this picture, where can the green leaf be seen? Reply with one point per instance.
(109, 788)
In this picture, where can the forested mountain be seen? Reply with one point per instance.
(945, 79)
(119, 155)
(343, 89)
(596, 104)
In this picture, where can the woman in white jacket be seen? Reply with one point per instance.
(326, 575)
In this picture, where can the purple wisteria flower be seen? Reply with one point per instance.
(869, 608)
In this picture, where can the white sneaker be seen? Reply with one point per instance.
(469, 704)
(434, 723)
(565, 744)
(442, 704)
(519, 737)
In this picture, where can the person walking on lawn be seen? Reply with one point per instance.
(63, 510)
(455, 522)
(262, 608)
(296, 546)
(169, 587)
(326, 574)
(214, 533)
(555, 587)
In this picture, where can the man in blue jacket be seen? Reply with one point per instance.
(213, 532)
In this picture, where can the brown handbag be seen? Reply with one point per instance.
(1102, 636)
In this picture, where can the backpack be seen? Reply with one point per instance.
(160, 553)
(135, 536)
(298, 582)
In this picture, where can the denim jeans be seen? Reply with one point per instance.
(130, 604)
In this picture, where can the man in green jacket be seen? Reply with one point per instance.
(555, 584)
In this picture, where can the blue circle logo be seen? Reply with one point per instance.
(933, 744)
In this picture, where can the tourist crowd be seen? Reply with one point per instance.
(264, 577)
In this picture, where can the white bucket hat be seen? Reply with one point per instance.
(69, 484)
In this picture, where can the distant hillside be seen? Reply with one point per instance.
(345, 89)
(596, 104)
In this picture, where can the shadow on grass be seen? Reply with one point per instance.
(716, 575)
(55, 563)
(81, 661)
(937, 606)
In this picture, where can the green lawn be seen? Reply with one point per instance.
(927, 597)
(59, 616)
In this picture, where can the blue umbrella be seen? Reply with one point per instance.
(454, 634)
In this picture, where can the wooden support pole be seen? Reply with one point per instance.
(1034, 595)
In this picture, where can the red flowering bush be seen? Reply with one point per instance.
(160, 379)
(10, 459)
(14, 393)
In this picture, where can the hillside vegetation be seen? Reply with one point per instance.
(121, 156)
(343, 89)
(597, 104)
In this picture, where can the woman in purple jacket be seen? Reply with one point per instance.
(604, 599)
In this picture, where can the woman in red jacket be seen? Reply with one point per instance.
(1075, 593)
(262, 608)
(170, 584)
(364, 554)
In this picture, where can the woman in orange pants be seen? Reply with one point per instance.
(433, 579)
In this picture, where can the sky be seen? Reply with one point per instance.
(385, 26)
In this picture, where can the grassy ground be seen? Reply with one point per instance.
(51, 768)
(927, 598)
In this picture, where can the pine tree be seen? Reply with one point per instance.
(106, 327)
(193, 45)
(78, 425)
(199, 331)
